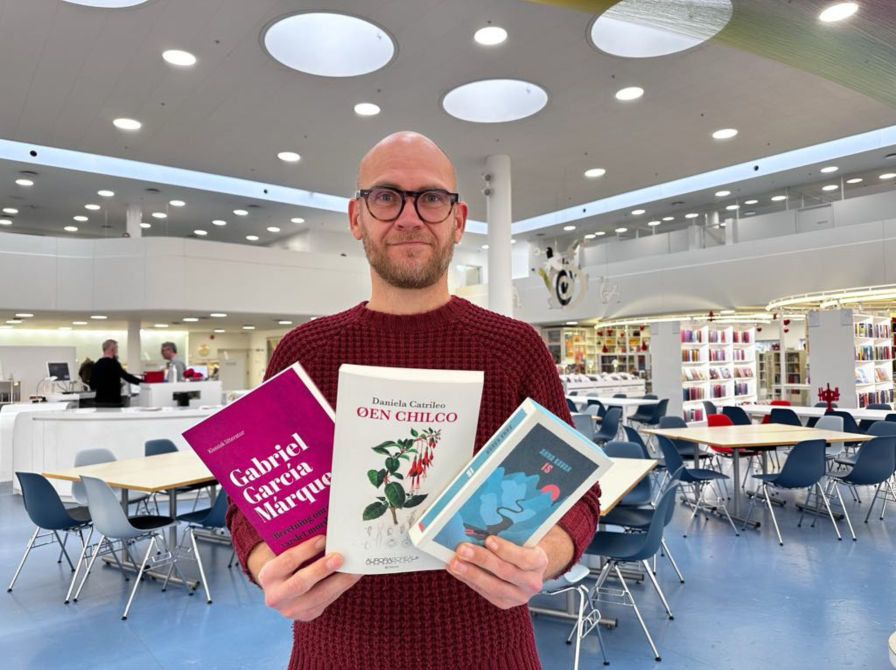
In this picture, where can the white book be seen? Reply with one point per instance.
(518, 486)
(401, 436)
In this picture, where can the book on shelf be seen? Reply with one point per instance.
(271, 450)
(861, 376)
(527, 476)
(401, 436)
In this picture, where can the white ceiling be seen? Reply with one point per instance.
(67, 71)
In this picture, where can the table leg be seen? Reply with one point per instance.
(172, 512)
(736, 485)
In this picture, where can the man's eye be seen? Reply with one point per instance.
(385, 196)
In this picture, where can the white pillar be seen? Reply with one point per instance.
(133, 218)
(500, 284)
(135, 347)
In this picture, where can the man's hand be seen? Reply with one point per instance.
(503, 573)
(302, 594)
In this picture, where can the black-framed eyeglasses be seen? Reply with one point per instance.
(386, 204)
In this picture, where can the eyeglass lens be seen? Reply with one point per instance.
(386, 204)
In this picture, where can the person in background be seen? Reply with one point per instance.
(106, 376)
(85, 370)
(472, 615)
(169, 353)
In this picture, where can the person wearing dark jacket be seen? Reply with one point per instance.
(106, 376)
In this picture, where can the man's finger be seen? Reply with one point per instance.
(289, 561)
(490, 561)
(525, 558)
(496, 591)
(322, 594)
(305, 579)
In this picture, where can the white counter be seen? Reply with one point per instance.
(8, 416)
(162, 395)
(49, 440)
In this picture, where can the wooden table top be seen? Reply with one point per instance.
(621, 479)
(149, 474)
(762, 435)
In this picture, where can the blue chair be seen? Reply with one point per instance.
(880, 405)
(686, 449)
(620, 395)
(784, 416)
(633, 548)
(584, 424)
(657, 413)
(737, 415)
(212, 518)
(50, 517)
(571, 405)
(812, 420)
(803, 469)
(632, 435)
(709, 407)
(890, 417)
(609, 427)
(875, 465)
(697, 478)
(642, 494)
(644, 412)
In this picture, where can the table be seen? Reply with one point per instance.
(818, 412)
(755, 437)
(150, 474)
(623, 403)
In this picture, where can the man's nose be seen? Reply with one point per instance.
(409, 217)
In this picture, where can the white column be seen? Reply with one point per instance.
(500, 285)
(665, 359)
(135, 347)
(133, 218)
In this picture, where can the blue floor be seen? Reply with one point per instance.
(748, 603)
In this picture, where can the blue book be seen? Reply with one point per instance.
(518, 486)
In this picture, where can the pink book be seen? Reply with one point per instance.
(272, 451)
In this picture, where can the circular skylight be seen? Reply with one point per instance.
(107, 4)
(495, 100)
(329, 45)
(638, 29)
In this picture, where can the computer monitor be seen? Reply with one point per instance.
(60, 371)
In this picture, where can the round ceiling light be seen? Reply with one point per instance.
(5, 222)
(569, 228)
(668, 218)
(653, 224)
(13, 210)
(127, 124)
(71, 229)
(218, 315)
(298, 219)
(622, 230)
(594, 173)
(241, 212)
(24, 182)
(201, 233)
(855, 180)
(219, 222)
(830, 187)
(885, 176)
(289, 157)
(92, 207)
(159, 215)
(779, 198)
(80, 218)
(495, 100)
(146, 225)
(329, 45)
(273, 229)
(838, 12)
(367, 109)
(829, 169)
(630, 93)
(107, 4)
(722, 194)
(600, 233)
(177, 203)
(635, 29)
(179, 58)
(106, 194)
(638, 212)
(724, 134)
(490, 36)
(731, 208)
(751, 202)
(252, 238)
(692, 215)
(590, 236)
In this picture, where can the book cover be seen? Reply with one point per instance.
(272, 450)
(401, 436)
(519, 485)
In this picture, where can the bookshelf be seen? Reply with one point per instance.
(718, 363)
(575, 348)
(623, 349)
(873, 343)
(793, 386)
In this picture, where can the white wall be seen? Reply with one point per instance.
(29, 364)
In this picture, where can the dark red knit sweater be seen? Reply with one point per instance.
(425, 620)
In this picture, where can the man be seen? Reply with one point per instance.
(106, 376)
(169, 353)
(473, 614)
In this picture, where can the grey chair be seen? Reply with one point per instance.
(95, 457)
(160, 446)
(584, 423)
(835, 423)
(112, 524)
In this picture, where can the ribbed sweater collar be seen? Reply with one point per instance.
(448, 313)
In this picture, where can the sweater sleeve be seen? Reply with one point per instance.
(243, 535)
(542, 384)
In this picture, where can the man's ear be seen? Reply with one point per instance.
(460, 220)
(354, 217)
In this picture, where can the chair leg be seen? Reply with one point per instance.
(593, 618)
(62, 551)
(628, 594)
(845, 513)
(84, 545)
(149, 549)
(232, 557)
(658, 590)
(24, 558)
(96, 552)
(208, 596)
(671, 560)
(873, 500)
(771, 510)
(828, 507)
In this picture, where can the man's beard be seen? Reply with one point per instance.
(411, 274)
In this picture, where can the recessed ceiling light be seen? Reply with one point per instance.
(79, 323)
(220, 330)
(495, 100)
(329, 45)
(178, 57)
(838, 12)
(146, 225)
(71, 229)
(14, 322)
(127, 124)
(749, 213)
(830, 187)
(298, 219)
(751, 202)
(217, 315)
(628, 28)
(285, 323)
(160, 325)
(691, 215)
(289, 157)
(485, 246)
(201, 233)
(241, 212)
(490, 36)
(512, 241)
(105, 193)
(829, 169)
(99, 317)
(177, 203)
(24, 316)
(638, 212)
(630, 93)
(65, 327)
(855, 180)
(159, 215)
(668, 218)
(724, 134)
(731, 208)
(600, 233)
(654, 223)
(568, 228)
(5, 222)
(273, 229)
(219, 222)
(248, 327)
(722, 194)
(367, 109)
(107, 4)
(252, 238)
(723, 224)
(590, 236)
(92, 207)
(622, 230)
(886, 175)
(190, 319)
(572, 323)
(779, 198)
(24, 182)
(13, 210)
(594, 173)
(80, 218)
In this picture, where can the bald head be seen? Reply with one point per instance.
(411, 154)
